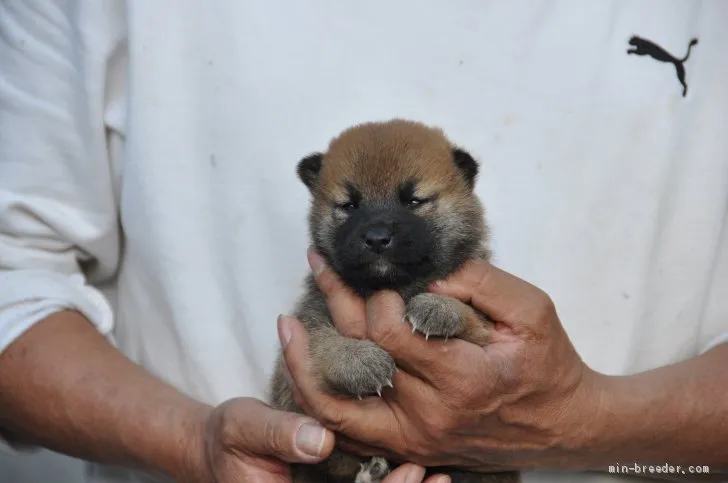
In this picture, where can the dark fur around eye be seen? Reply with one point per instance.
(416, 202)
(348, 206)
(407, 191)
(407, 196)
(354, 199)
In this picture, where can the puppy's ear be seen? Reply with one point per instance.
(466, 164)
(308, 169)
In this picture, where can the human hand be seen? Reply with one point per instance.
(523, 401)
(245, 440)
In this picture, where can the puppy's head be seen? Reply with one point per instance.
(393, 205)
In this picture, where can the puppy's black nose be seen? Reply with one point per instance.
(378, 239)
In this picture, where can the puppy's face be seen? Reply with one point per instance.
(393, 205)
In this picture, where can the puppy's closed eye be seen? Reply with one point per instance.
(347, 206)
(416, 202)
(409, 197)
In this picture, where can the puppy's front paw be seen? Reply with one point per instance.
(373, 471)
(435, 315)
(362, 369)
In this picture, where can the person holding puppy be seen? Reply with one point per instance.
(152, 228)
(525, 401)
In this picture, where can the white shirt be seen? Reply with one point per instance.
(149, 148)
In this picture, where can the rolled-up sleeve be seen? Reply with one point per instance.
(59, 228)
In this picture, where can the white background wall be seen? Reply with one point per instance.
(41, 467)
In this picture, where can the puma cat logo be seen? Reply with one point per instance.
(645, 47)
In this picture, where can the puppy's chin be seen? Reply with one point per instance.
(383, 274)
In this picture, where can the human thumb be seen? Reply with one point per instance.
(252, 427)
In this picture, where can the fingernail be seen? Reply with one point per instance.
(316, 262)
(310, 439)
(284, 330)
(444, 479)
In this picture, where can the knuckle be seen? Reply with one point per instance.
(355, 327)
(276, 431)
(438, 426)
(330, 416)
(348, 314)
(385, 334)
(328, 282)
(477, 265)
(482, 272)
(271, 436)
(299, 400)
(227, 424)
(463, 395)
(385, 312)
(543, 305)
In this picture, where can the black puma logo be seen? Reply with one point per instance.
(645, 47)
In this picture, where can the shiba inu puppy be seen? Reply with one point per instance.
(392, 208)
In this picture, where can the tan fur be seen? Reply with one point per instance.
(379, 156)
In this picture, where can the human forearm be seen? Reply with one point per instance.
(63, 386)
(676, 414)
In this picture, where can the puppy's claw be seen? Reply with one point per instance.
(411, 321)
(427, 336)
(359, 396)
(389, 384)
(379, 391)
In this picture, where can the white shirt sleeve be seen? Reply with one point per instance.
(59, 229)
